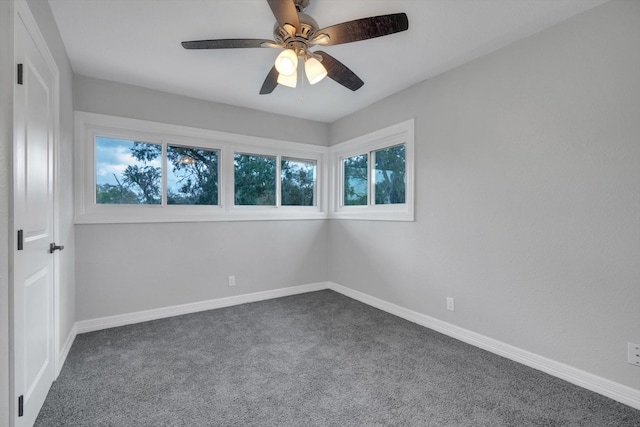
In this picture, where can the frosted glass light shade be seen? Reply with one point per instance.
(287, 62)
(290, 81)
(314, 70)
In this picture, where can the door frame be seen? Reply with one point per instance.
(22, 14)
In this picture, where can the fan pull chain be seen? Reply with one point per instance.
(302, 79)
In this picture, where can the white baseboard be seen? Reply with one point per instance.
(608, 388)
(621, 393)
(177, 310)
(64, 351)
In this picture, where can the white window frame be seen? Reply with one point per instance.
(90, 125)
(401, 133)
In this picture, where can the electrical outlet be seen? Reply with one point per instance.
(232, 280)
(451, 304)
(633, 353)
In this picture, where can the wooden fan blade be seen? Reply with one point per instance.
(227, 43)
(339, 72)
(363, 29)
(270, 82)
(285, 12)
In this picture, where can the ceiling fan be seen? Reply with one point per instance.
(297, 32)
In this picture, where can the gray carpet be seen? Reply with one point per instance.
(317, 359)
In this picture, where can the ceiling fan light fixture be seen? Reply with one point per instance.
(287, 62)
(314, 70)
(291, 81)
(296, 32)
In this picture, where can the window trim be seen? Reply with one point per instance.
(90, 125)
(398, 134)
(328, 173)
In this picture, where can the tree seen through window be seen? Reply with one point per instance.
(390, 175)
(298, 178)
(130, 172)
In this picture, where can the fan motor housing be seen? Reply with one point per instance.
(297, 40)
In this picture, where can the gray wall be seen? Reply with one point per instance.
(528, 194)
(123, 268)
(6, 135)
(132, 267)
(117, 99)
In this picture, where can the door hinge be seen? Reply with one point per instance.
(19, 74)
(21, 405)
(20, 240)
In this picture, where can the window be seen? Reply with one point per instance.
(298, 182)
(373, 175)
(192, 176)
(388, 178)
(389, 173)
(128, 172)
(255, 180)
(355, 171)
(131, 170)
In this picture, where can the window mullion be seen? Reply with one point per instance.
(372, 178)
(223, 179)
(315, 185)
(339, 195)
(369, 180)
(278, 181)
(165, 171)
(230, 174)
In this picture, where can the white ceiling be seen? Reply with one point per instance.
(138, 42)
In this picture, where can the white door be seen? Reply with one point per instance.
(34, 265)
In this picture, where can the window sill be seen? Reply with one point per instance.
(172, 214)
(374, 213)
